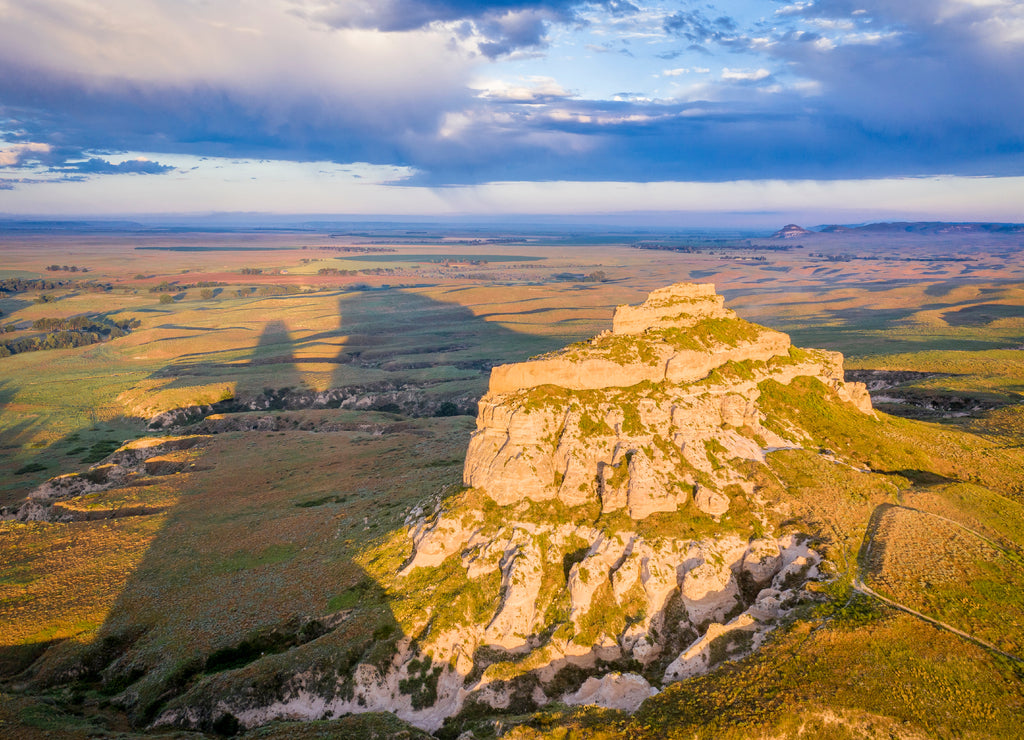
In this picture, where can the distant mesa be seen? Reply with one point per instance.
(791, 231)
(924, 228)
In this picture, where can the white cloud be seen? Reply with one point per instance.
(833, 24)
(525, 90)
(270, 57)
(684, 71)
(745, 75)
(797, 8)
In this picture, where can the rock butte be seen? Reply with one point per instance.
(677, 306)
(659, 419)
(656, 370)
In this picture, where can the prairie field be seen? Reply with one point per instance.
(331, 388)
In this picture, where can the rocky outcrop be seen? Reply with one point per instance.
(147, 456)
(663, 427)
(611, 538)
(675, 305)
(645, 344)
(409, 399)
(625, 691)
(791, 231)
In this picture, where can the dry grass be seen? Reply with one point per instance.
(245, 547)
(950, 573)
(61, 580)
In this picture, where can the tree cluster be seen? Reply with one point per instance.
(169, 287)
(77, 331)
(22, 285)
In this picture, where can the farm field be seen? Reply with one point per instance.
(330, 388)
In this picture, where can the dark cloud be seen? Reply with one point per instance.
(620, 8)
(216, 120)
(506, 25)
(97, 166)
(511, 32)
(408, 15)
(888, 92)
(715, 146)
(900, 69)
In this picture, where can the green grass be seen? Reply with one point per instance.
(890, 673)
(710, 332)
(952, 574)
(889, 444)
(245, 560)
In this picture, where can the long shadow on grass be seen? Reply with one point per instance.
(276, 348)
(251, 577)
(384, 341)
(412, 337)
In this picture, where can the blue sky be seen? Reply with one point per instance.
(756, 111)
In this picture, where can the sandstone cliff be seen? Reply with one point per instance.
(612, 536)
(673, 399)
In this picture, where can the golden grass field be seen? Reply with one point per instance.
(261, 528)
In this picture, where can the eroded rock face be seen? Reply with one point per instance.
(669, 402)
(625, 691)
(612, 521)
(710, 501)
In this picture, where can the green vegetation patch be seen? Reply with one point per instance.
(371, 725)
(99, 451)
(898, 672)
(622, 349)
(245, 559)
(77, 331)
(888, 444)
(710, 332)
(421, 684)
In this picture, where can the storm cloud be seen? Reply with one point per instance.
(831, 89)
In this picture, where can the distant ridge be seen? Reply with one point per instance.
(922, 227)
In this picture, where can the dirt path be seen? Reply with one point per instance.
(861, 587)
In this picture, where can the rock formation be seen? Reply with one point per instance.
(659, 419)
(612, 536)
(791, 231)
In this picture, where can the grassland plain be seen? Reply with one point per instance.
(244, 561)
